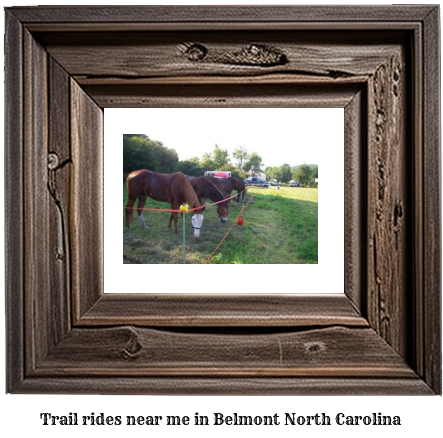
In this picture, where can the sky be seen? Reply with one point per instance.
(279, 135)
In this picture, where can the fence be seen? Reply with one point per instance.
(184, 211)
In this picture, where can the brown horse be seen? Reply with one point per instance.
(206, 189)
(173, 188)
(239, 185)
(223, 184)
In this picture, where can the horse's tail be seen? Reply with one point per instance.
(187, 191)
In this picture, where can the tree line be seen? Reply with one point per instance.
(140, 152)
(240, 165)
(304, 174)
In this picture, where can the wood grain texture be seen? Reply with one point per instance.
(205, 310)
(227, 96)
(388, 203)
(37, 306)
(14, 239)
(289, 386)
(160, 54)
(59, 167)
(418, 205)
(129, 351)
(64, 335)
(86, 200)
(431, 316)
(355, 186)
(224, 14)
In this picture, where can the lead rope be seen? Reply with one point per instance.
(232, 226)
(216, 187)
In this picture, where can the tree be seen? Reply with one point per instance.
(207, 162)
(314, 172)
(286, 174)
(273, 173)
(269, 172)
(241, 155)
(235, 172)
(190, 167)
(140, 152)
(167, 158)
(218, 159)
(242, 174)
(303, 174)
(254, 163)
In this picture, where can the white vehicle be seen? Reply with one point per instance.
(215, 172)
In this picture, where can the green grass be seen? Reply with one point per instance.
(280, 226)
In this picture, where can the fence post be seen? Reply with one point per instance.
(184, 238)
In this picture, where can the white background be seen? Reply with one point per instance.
(300, 137)
(19, 414)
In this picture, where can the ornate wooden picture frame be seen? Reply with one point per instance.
(65, 64)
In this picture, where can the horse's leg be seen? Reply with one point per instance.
(129, 211)
(174, 215)
(175, 222)
(141, 203)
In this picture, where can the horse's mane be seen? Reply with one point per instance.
(187, 190)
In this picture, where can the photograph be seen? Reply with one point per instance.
(246, 178)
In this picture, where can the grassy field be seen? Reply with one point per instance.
(280, 226)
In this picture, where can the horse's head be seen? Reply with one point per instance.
(197, 221)
(222, 211)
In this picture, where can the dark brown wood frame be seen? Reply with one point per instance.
(64, 65)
